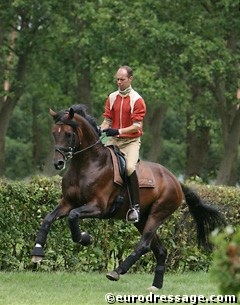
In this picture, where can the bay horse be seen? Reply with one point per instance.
(89, 191)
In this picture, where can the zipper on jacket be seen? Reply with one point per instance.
(121, 106)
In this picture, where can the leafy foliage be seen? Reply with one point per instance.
(24, 204)
(226, 268)
(178, 51)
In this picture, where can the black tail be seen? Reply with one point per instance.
(207, 217)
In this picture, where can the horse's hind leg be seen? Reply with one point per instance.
(160, 253)
(142, 247)
(145, 244)
(162, 209)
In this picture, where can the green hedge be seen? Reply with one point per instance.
(24, 204)
(226, 266)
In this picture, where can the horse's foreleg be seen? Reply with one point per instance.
(85, 211)
(38, 251)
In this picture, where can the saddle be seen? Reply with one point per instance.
(144, 173)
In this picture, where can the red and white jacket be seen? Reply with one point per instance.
(123, 111)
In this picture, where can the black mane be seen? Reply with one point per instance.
(82, 111)
(60, 118)
(79, 109)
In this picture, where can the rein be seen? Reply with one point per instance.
(86, 148)
(69, 153)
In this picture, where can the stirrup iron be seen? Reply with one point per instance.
(135, 210)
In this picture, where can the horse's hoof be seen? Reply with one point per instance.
(86, 239)
(113, 276)
(153, 289)
(36, 259)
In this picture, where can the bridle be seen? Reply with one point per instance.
(70, 151)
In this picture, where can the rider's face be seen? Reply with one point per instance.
(122, 79)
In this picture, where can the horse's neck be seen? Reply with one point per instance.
(98, 154)
(90, 152)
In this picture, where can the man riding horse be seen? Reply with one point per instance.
(124, 113)
(89, 189)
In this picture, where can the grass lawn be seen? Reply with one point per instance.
(40, 288)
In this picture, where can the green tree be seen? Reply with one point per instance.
(21, 24)
(184, 66)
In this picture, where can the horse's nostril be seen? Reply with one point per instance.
(60, 164)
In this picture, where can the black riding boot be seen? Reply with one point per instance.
(133, 213)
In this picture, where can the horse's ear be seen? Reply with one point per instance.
(52, 113)
(71, 114)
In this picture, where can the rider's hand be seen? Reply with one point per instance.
(111, 132)
(99, 131)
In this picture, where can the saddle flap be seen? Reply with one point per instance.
(117, 174)
(145, 175)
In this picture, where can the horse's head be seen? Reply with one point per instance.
(72, 134)
(64, 136)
